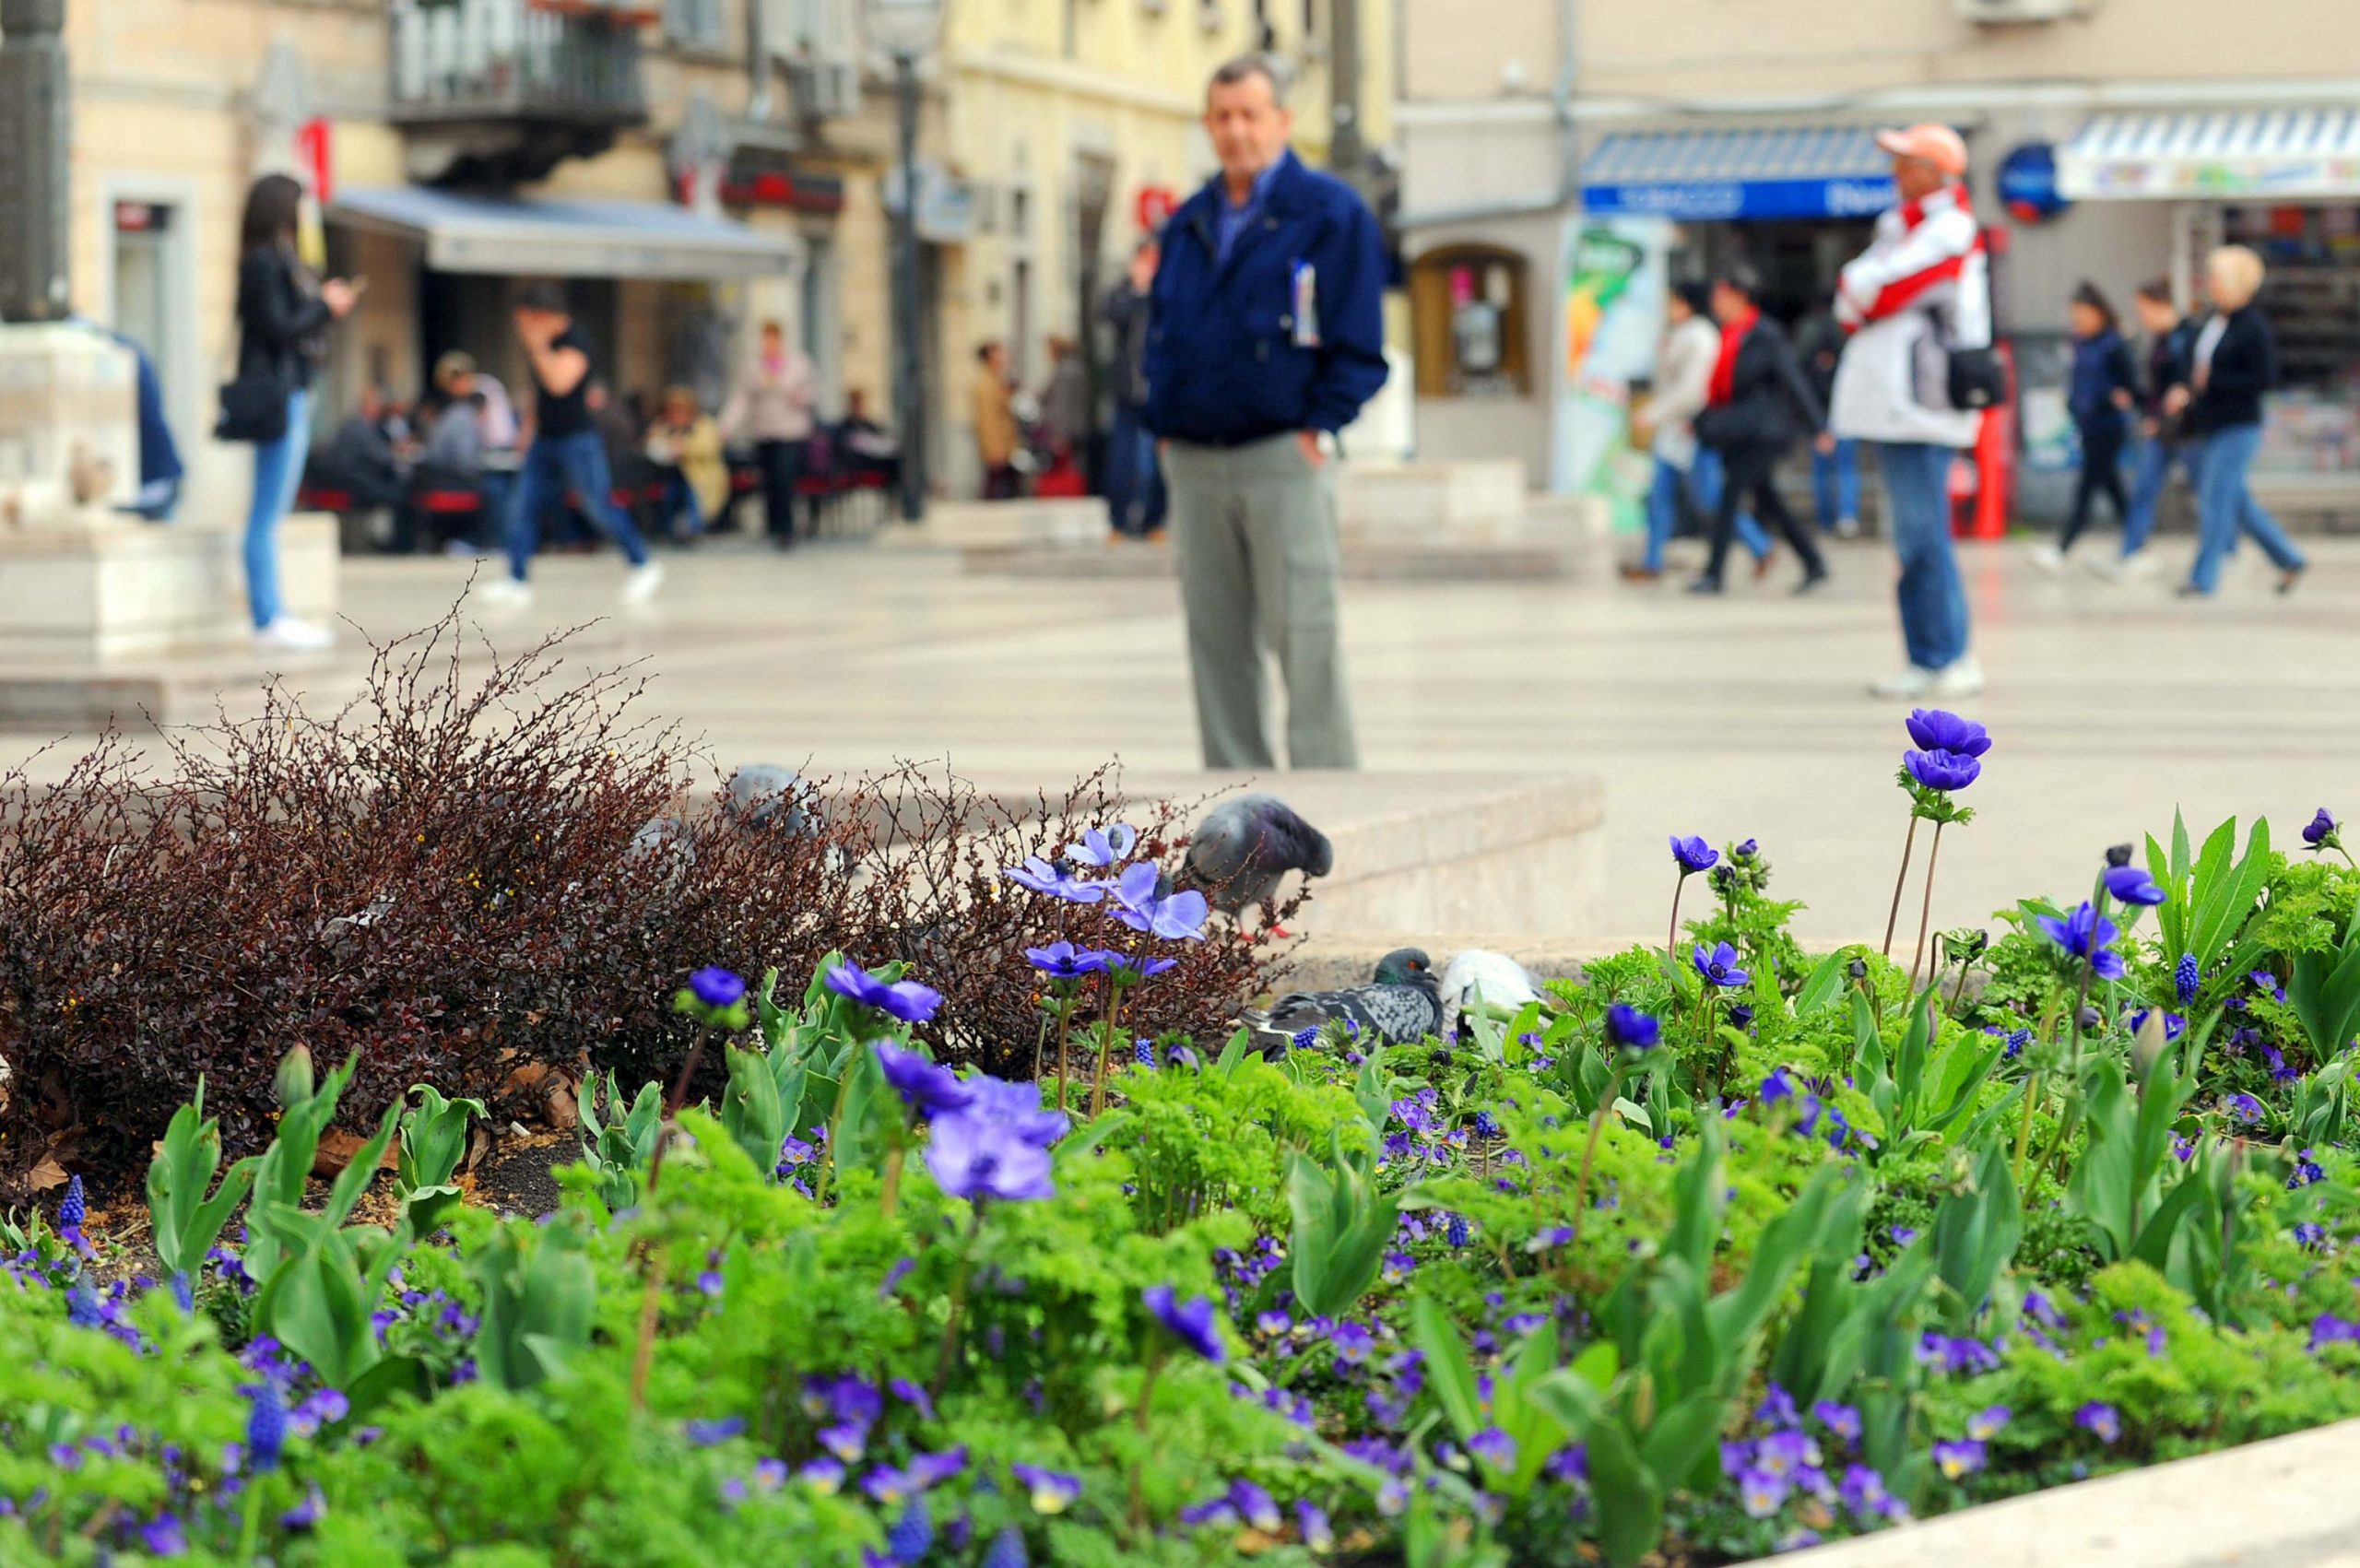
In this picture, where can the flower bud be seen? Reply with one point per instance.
(2119, 855)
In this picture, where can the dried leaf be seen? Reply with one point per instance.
(47, 1175)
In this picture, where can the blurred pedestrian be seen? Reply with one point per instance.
(1755, 406)
(1919, 294)
(2234, 363)
(1687, 476)
(1065, 400)
(567, 455)
(998, 435)
(2100, 395)
(684, 445)
(282, 318)
(1268, 336)
(1134, 498)
(771, 406)
(1834, 472)
(2171, 349)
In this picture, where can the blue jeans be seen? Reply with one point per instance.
(1704, 482)
(555, 466)
(681, 496)
(2151, 469)
(1933, 603)
(1135, 498)
(279, 473)
(2224, 507)
(1835, 482)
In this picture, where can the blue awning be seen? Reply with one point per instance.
(1753, 173)
(2266, 155)
(511, 237)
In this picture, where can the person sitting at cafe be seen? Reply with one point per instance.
(684, 445)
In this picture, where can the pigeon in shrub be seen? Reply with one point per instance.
(1399, 1005)
(765, 796)
(661, 850)
(1244, 848)
(1503, 982)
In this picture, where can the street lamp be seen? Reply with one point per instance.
(907, 30)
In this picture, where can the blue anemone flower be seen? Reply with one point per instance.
(1943, 770)
(2084, 935)
(2132, 885)
(1190, 1322)
(1719, 966)
(905, 1000)
(1693, 855)
(1935, 729)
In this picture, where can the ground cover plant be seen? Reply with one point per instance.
(1721, 1250)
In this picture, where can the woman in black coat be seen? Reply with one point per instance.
(1759, 403)
(2234, 362)
(280, 317)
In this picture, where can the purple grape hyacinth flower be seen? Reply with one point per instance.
(926, 1087)
(1935, 729)
(1190, 1322)
(266, 1427)
(2187, 977)
(1693, 855)
(905, 1000)
(2086, 934)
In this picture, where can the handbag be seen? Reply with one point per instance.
(1969, 379)
(253, 409)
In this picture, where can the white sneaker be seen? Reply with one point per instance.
(2108, 568)
(2049, 558)
(504, 591)
(2142, 564)
(1911, 682)
(1964, 679)
(640, 583)
(294, 636)
(1847, 527)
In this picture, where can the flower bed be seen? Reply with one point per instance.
(1717, 1252)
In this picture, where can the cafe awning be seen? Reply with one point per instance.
(1751, 173)
(2259, 155)
(515, 237)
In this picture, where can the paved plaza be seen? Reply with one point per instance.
(1728, 718)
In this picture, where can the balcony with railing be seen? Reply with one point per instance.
(527, 62)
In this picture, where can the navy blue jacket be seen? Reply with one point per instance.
(1224, 363)
(2101, 368)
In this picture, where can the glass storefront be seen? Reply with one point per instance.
(2312, 299)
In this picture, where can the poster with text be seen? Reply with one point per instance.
(1616, 274)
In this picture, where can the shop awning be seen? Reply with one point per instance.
(511, 237)
(1756, 173)
(2280, 154)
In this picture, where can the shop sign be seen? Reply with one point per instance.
(2029, 183)
(2223, 178)
(1703, 201)
(1155, 206)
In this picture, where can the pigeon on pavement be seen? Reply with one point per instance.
(1398, 1006)
(1244, 847)
(1503, 982)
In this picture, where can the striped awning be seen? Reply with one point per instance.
(1760, 171)
(2264, 155)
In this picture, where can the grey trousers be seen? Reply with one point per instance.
(1254, 531)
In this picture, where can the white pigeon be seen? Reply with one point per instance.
(1503, 982)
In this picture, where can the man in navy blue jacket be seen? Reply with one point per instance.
(1267, 336)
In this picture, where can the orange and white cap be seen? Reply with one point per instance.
(1938, 144)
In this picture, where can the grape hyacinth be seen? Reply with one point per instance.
(2186, 978)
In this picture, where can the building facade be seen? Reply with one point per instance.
(2113, 140)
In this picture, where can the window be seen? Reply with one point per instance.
(1471, 322)
(696, 24)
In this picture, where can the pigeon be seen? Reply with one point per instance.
(661, 849)
(1244, 847)
(763, 795)
(1400, 1006)
(1503, 982)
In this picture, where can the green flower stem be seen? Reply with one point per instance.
(1589, 1147)
(1926, 910)
(1671, 937)
(1139, 1419)
(249, 1532)
(1892, 917)
(835, 1124)
(958, 1303)
(1105, 1047)
(1064, 1037)
(2070, 1116)
(2032, 1090)
(891, 1196)
(665, 1134)
(644, 1355)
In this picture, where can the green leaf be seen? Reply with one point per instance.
(1826, 980)
(1448, 1369)
(1628, 1495)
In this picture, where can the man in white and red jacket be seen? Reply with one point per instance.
(1924, 284)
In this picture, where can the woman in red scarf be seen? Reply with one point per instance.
(1758, 404)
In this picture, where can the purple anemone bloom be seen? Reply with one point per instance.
(1944, 771)
(1190, 1322)
(1017, 1106)
(977, 1156)
(2084, 935)
(1937, 730)
(1063, 960)
(717, 988)
(928, 1088)
(1103, 847)
(1177, 918)
(904, 999)
(1632, 1030)
(2132, 885)
(1056, 882)
(1693, 855)
(2321, 830)
(1719, 966)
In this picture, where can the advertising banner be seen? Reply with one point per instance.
(1616, 273)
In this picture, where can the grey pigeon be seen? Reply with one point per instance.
(1502, 983)
(763, 795)
(1244, 847)
(1400, 1006)
(661, 849)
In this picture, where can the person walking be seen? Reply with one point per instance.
(281, 318)
(1834, 471)
(567, 454)
(2233, 364)
(1757, 403)
(1268, 336)
(1135, 498)
(1923, 284)
(2100, 397)
(2171, 348)
(997, 434)
(1687, 476)
(771, 406)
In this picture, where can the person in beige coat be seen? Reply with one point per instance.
(771, 406)
(685, 444)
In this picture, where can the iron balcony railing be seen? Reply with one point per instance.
(576, 61)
